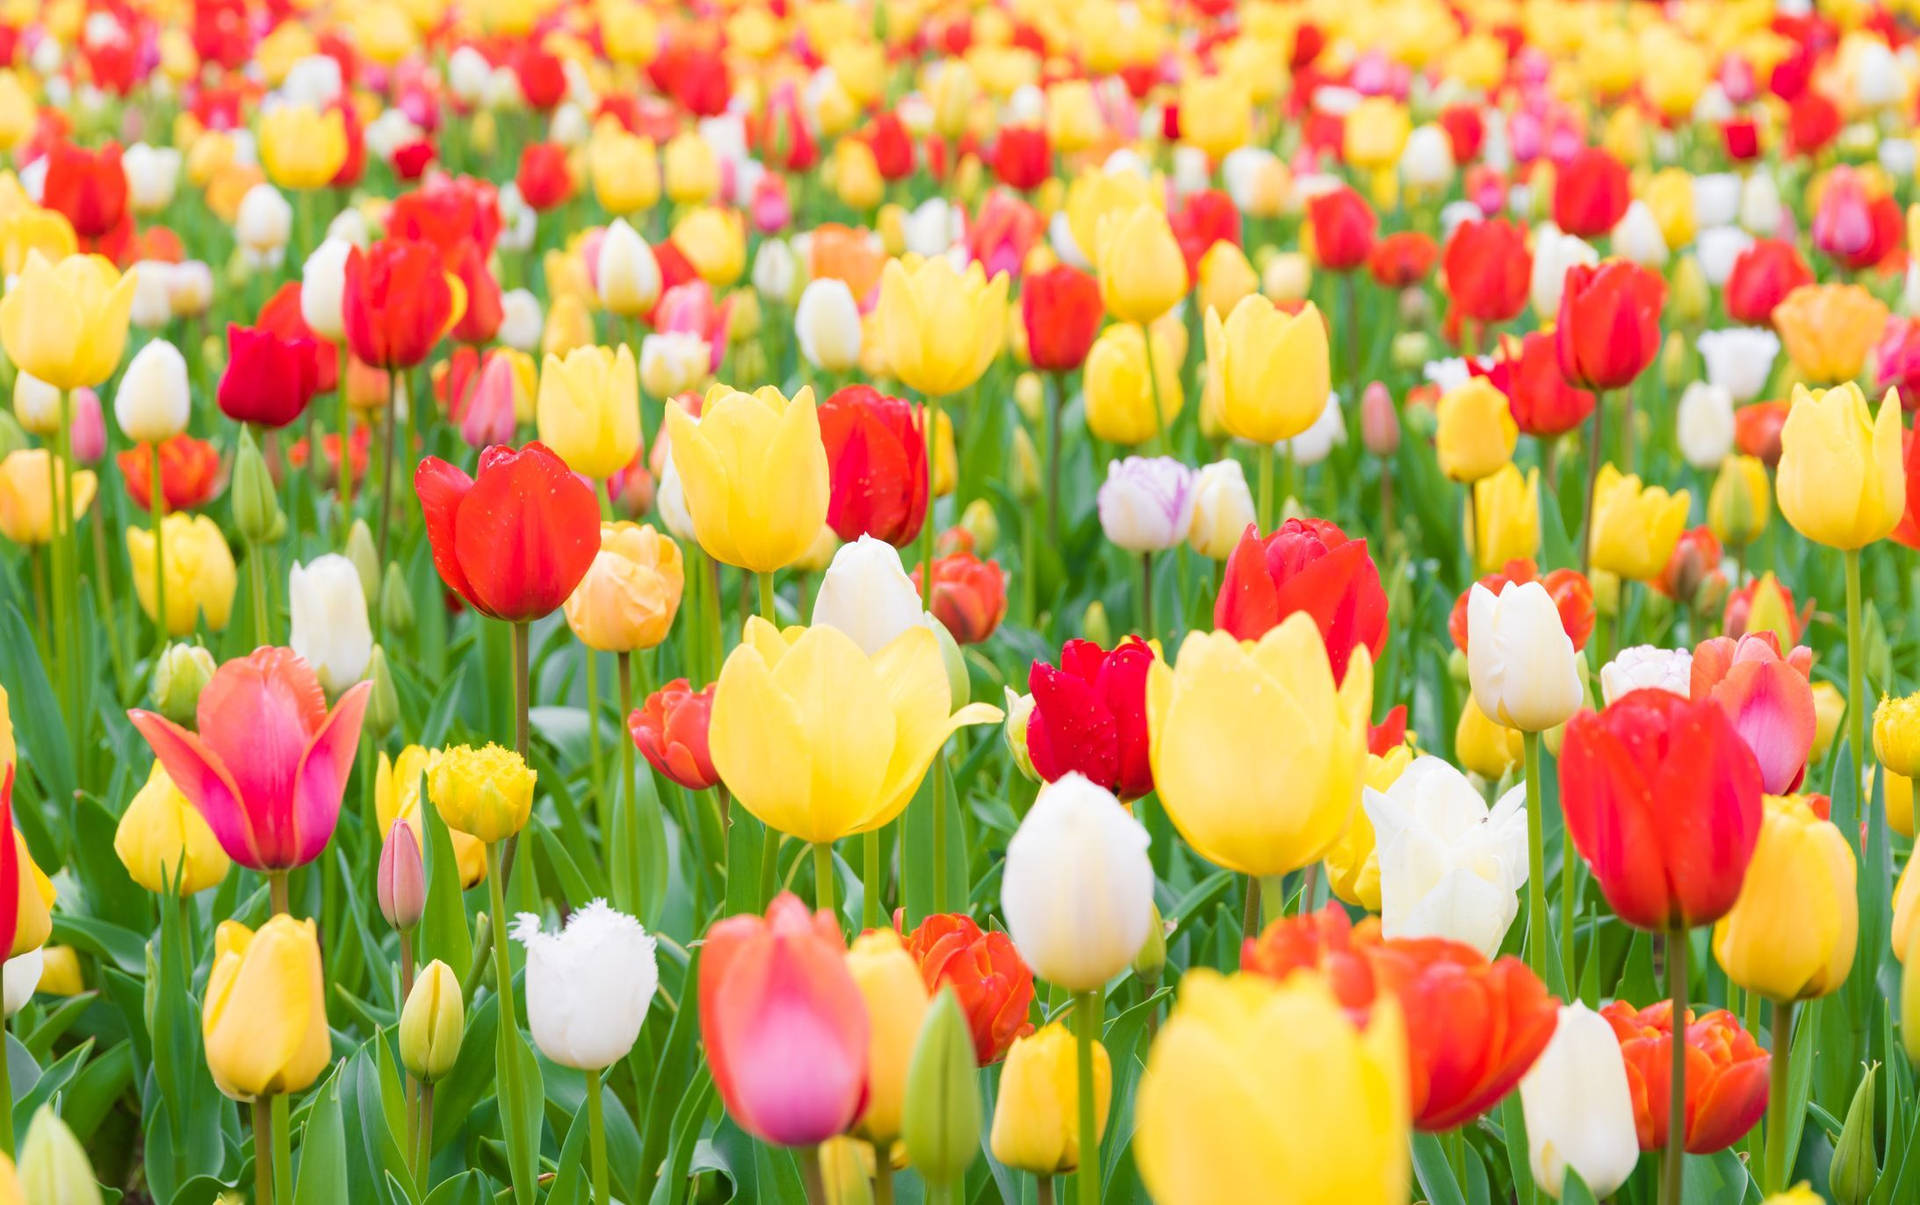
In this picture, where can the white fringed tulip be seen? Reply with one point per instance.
(1520, 661)
(1647, 667)
(588, 986)
(1077, 888)
(1449, 866)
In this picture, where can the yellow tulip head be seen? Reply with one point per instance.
(1741, 502)
(1216, 114)
(201, 578)
(1035, 1117)
(486, 793)
(1119, 393)
(26, 504)
(1095, 195)
(302, 148)
(34, 903)
(1477, 433)
(940, 328)
(624, 167)
(1828, 329)
(265, 1017)
(897, 1000)
(1791, 933)
(588, 409)
(715, 244)
(631, 592)
(1142, 272)
(396, 796)
(1272, 369)
(753, 473)
(164, 842)
(1506, 518)
(1841, 480)
(33, 229)
(66, 322)
(1635, 527)
(1225, 275)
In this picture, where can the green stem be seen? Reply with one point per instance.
(346, 429)
(629, 826)
(1264, 457)
(1146, 594)
(1595, 455)
(823, 878)
(1536, 861)
(423, 1173)
(6, 1092)
(597, 1138)
(768, 611)
(1569, 905)
(1055, 404)
(882, 1174)
(1273, 900)
(1857, 703)
(602, 805)
(262, 1151)
(769, 868)
(156, 510)
(522, 700)
(277, 891)
(387, 441)
(257, 589)
(509, 1024)
(870, 879)
(1677, 959)
(1086, 1022)
(1162, 440)
(1774, 1169)
(939, 772)
(932, 417)
(282, 1148)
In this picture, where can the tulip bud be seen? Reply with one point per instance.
(396, 602)
(1379, 424)
(365, 558)
(432, 1023)
(1094, 625)
(402, 884)
(1024, 473)
(1856, 1167)
(1019, 716)
(1030, 396)
(1896, 734)
(383, 703)
(1411, 349)
(182, 673)
(846, 1171)
(942, 1118)
(53, 1165)
(1152, 957)
(1688, 294)
(1036, 1116)
(1674, 361)
(256, 508)
(1416, 308)
(980, 522)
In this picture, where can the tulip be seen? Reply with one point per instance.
(486, 793)
(1505, 518)
(941, 1123)
(54, 1169)
(1269, 805)
(1222, 509)
(1449, 866)
(1206, 1129)
(867, 594)
(1132, 394)
(969, 596)
(396, 795)
(1828, 329)
(1767, 697)
(1705, 426)
(268, 379)
(164, 842)
(1309, 566)
(992, 985)
(1896, 734)
(1634, 529)
(323, 282)
(1343, 229)
(265, 1016)
(1089, 716)
(589, 409)
(826, 323)
(19, 980)
(1061, 308)
(588, 986)
(1578, 1107)
(1146, 504)
(1554, 252)
(301, 147)
(269, 763)
(1034, 1127)
(1488, 271)
(1477, 432)
(626, 276)
(1272, 368)
(153, 175)
(1077, 919)
(152, 401)
(1762, 277)
(401, 888)
(262, 225)
(1791, 933)
(877, 461)
(1726, 1084)
(940, 328)
(714, 242)
(1590, 193)
(1740, 503)
(1142, 273)
(1645, 667)
(763, 979)
(670, 730)
(330, 626)
(432, 1023)
(897, 1000)
(630, 594)
(1403, 259)
(515, 540)
(66, 323)
(1739, 360)
(625, 169)
(26, 503)
(397, 303)
(1520, 658)
(754, 471)
(1637, 238)
(33, 899)
(1609, 324)
(1842, 482)
(180, 675)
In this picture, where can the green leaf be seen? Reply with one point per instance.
(323, 1151)
(443, 926)
(1430, 1168)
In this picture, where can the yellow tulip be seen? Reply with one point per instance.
(1669, 195)
(1216, 114)
(715, 244)
(630, 594)
(1829, 708)
(164, 842)
(1841, 479)
(1353, 864)
(302, 148)
(1209, 1123)
(754, 475)
(200, 573)
(1635, 527)
(1073, 116)
(1095, 195)
(818, 740)
(1476, 432)
(396, 796)
(629, 31)
(60, 972)
(1898, 792)
(1896, 734)
(432, 1023)
(1142, 272)
(1257, 753)
(588, 410)
(1484, 746)
(1828, 329)
(569, 325)
(1036, 1117)
(1375, 133)
(17, 111)
(1225, 277)
(486, 793)
(32, 229)
(896, 997)
(691, 169)
(66, 322)
(1505, 518)
(34, 903)
(860, 66)
(265, 1016)
(625, 168)
(26, 504)
(1791, 933)
(1119, 393)
(940, 328)
(1272, 369)
(1800, 1194)
(10, 1191)
(1741, 502)
(856, 176)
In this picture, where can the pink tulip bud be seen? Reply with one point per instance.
(1379, 425)
(89, 428)
(402, 885)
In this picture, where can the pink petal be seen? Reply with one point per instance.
(321, 778)
(204, 780)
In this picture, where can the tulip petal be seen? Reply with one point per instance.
(324, 771)
(441, 487)
(200, 775)
(759, 743)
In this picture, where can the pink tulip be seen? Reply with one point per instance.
(689, 309)
(769, 205)
(89, 430)
(1768, 697)
(270, 762)
(489, 416)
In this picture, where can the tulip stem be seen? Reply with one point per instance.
(346, 458)
(882, 1173)
(768, 609)
(816, 1185)
(521, 700)
(1086, 1016)
(1264, 457)
(1146, 594)
(1594, 457)
(1857, 703)
(156, 509)
(1536, 861)
(423, 1164)
(597, 782)
(1162, 438)
(262, 1150)
(6, 1092)
(870, 879)
(597, 1137)
(1273, 901)
(931, 415)
(823, 879)
(629, 823)
(1773, 1176)
(509, 1024)
(386, 460)
(1677, 959)
(1043, 1190)
(277, 891)
(256, 587)
(1055, 405)
(278, 1108)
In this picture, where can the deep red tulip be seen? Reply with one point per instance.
(1062, 311)
(1571, 593)
(969, 595)
(993, 986)
(480, 318)
(1203, 219)
(1762, 276)
(1465, 130)
(446, 213)
(670, 730)
(543, 82)
(783, 1024)
(1768, 697)
(1343, 229)
(1488, 269)
(1853, 226)
(281, 316)
(1662, 799)
(1309, 565)
(1726, 1071)
(515, 539)
(877, 459)
(1609, 328)
(1090, 716)
(189, 473)
(398, 302)
(1756, 430)
(268, 379)
(693, 75)
(1402, 259)
(1812, 123)
(1590, 193)
(269, 763)
(1741, 137)
(411, 161)
(1907, 531)
(88, 188)
(1543, 404)
(892, 149)
(1021, 157)
(545, 180)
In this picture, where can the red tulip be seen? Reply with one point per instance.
(1852, 227)
(1756, 430)
(1062, 310)
(514, 540)
(411, 160)
(781, 134)
(1762, 276)
(398, 302)
(1343, 229)
(189, 473)
(670, 730)
(281, 316)
(783, 1023)
(89, 189)
(545, 180)
(1488, 269)
(1571, 593)
(1022, 158)
(269, 763)
(693, 75)
(1389, 734)
(1768, 697)
(1741, 137)
(1543, 404)
(1402, 259)
(1590, 193)
(542, 80)
(1896, 360)
(1465, 130)
(481, 317)
(1308, 565)
(1090, 716)
(1907, 531)
(1609, 328)
(446, 213)
(269, 380)
(1662, 799)
(1812, 123)
(354, 165)
(1203, 219)
(969, 595)
(1726, 1075)
(1692, 575)
(892, 149)
(877, 459)
(993, 986)
(1002, 232)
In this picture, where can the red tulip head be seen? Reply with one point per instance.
(877, 460)
(1590, 193)
(1488, 269)
(1090, 716)
(269, 379)
(1308, 565)
(1062, 310)
(1609, 327)
(1768, 697)
(670, 730)
(1726, 1085)
(1343, 229)
(514, 540)
(1761, 278)
(398, 302)
(993, 986)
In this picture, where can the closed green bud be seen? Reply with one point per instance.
(53, 1165)
(979, 521)
(1026, 467)
(1095, 626)
(432, 1023)
(941, 1125)
(179, 676)
(365, 558)
(1411, 349)
(1856, 1165)
(1676, 366)
(396, 603)
(1152, 957)
(1030, 396)
(383, 703)
(256, 508)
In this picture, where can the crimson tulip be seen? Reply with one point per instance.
(543, 83)
(1907, 531)
(992, 985)
(1741, 137)
(1343, 229)
(1812, 123)
(268, 380)
(1761, 278)
(1090, 716)
(892, 149)
(1021, 157)
(1726, 1075)
(545, 179)
(281, 316)
(1062, 311)
(1541, 401)
(269, 763)
(969, 595)
(480, 318)
(1590, 193)
(516, 538)
(1488, 269)
(189, 473)
(1204, 218)
(1465, 129)
(89, 189)
(1768, 697)
(877, 460)
(670, 730)
(1402, 259)
(1662, 799)
(1308, 565)
(398, 302)
(783, 1024)
(1609, 328)
(781, 135)
(447, 213)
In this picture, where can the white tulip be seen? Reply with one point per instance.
(1553, 254)
(1454, 214)
(1910, 290)
(588, 986)
(153, 173)
(1898, 156)
(1876, 78)
(350, 226)
(1520, 661)
(153, 399)
(389, 132)
(867, 594)
(152, 294)
(671, 501)
(1578, 1107)
(673, 362)
(776, 271)
(827, 325)
(190, 288)
(330, 628)
(323, 286)
(1060, 234)
(1637, 237)
(569, 125)
(932, 226)
(1716, 198)
(1449, 866)
(502, 90)
(518, 222)
(1760, 206)
(265, 220)
(22, 976)
(1713, 108)
(1317, 442)
(1426, 161)
(520, 320)
(1146, 503)
(1718, 248)
(313, 81)
(627, 278)
(1739, 359)
(1704, 424)
(1647, 667)
(1077, 888)
(1244, 172)
(1222, 508)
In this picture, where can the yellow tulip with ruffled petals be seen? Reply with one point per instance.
(630, 594)
(940, 327)
(66, 322)
(396, 796)
(1842, 479)
(754, 475)
(265, 1017)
